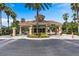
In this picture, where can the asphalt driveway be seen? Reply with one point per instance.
(54, 47)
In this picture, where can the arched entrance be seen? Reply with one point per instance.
(41, 29)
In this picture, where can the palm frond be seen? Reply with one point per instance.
(37, 6)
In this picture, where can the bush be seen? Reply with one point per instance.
(6, 31)
(75, 33)
(69, 33)
(78, 34)
(33, 36)
(43, 35)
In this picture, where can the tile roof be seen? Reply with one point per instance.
(28, 23)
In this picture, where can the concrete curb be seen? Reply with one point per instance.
(52, 37)
(41, 38)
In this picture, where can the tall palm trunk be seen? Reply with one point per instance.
(78, 20)
(8, 24)
(37, 22)
(8, 20)
(0, 22)
(66, 27)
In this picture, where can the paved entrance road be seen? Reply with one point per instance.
(25, 47)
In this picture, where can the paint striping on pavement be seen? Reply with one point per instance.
(6, 42)
(72, 43)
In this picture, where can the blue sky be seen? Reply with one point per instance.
(54, 13)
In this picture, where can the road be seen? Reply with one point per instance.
(54, 47)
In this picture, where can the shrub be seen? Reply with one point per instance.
(43, 35)
(69, 33)
(33, 36)
(78, 34)
(75, 33)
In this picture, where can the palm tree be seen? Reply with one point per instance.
(65, 17)
(13, 15)
(2, 6)
(75, 8)
(37, 7)
(8, 13)
(74, 17)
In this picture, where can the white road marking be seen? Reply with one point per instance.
(72, 43)
(4, 40)
(5, 43)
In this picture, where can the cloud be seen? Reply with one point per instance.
(4, 22)
(61, 5)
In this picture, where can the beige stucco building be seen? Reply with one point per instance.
(43, 26)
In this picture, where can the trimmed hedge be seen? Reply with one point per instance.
(41, 35)
(33, 36)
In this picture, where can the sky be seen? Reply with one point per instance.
(54, 13)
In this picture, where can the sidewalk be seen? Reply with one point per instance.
(5, 37)
(75, 37)
(11, 37)
(64, 36)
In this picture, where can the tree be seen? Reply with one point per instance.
(74, 17)
(2, 6)
(13, 15)
(75, 8)
(73, 27)
(8, 13)
(64, 28)
(37, 7)
(17, 26)
(65, 17)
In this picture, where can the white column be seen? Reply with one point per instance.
(20, 31)
(46, 29)
(60, 30)
(14, 31)
(30, 30)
